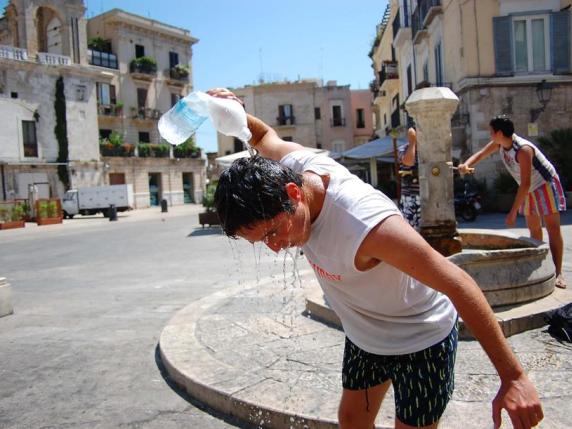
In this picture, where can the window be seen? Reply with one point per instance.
(438, 65)
(426, 71)
(409, 80)
(139, 51)
(384, 118)
(532, 43)
(337, 119)
(318, 145)
(13, 95)
(175, 98)
(173, 59)
(141, 98)
(338, 146)
(285, 114)
(104, 134)
(105, 93)
(238, 145)
(317, 113)
(287, 138)
(360, 118)
(29, 139)
(144, 137)
(531, 48)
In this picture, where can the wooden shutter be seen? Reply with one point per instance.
(560, 41)
(112, 97)
(502, 35)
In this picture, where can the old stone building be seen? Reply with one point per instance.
(499, 56)
(106, 81)
(330, 117)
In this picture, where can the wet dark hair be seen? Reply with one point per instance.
(253, 189)
(503, 124)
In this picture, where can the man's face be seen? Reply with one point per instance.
(494, 135)
(283, 230)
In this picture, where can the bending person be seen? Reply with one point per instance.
(396, 296)
(539, 197)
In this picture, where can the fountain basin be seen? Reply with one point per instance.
(509, 269)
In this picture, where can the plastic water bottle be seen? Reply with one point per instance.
(227, 116)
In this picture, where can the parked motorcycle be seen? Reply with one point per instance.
(467, 204)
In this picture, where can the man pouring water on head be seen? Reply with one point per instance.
(397, 297)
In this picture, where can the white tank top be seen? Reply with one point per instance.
(382, 310)
(542, 170)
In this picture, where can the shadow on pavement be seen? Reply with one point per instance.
(211, 230)
(184, 395)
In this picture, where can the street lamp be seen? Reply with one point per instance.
(544, 93)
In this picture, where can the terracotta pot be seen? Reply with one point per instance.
(48, 220)
(13, 224)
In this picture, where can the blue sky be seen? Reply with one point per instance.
(327, 39)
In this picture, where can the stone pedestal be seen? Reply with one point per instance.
(432, 109)
(5, 298)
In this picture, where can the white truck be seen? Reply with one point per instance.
(97, 199)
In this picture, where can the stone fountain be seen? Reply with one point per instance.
(516, 274)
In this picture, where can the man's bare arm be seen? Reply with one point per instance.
(267, 142)
(477, 157)
(395, 242)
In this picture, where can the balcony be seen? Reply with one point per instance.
(12, 53)
(113, 110)
(338, 122)
(53, 59)
(145, 113)
(178, 75)
(143, 68)
(422, 17)
(388, 71)
(283, 121)
(102, 59)
(401, 27)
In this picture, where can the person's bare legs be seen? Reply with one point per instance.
(353, 412)
(556, 244)
(534, 223)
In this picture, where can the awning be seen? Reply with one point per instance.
(378, 148)
(227, 160)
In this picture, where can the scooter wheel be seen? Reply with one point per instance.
(469, 213)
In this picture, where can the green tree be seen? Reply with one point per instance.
(558, 148)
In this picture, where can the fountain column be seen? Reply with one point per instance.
(432, 109)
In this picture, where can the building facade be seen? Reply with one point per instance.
(508, 57)
(315, 115)
(88, 77)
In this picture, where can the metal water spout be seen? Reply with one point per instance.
(432, 109)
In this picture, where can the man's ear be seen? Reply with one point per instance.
(294, 192)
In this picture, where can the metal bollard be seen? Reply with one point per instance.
(112, 212)
(164, 206)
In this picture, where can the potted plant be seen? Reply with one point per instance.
(209, 216)
(119, 107)
(12, 217)
(48, 212)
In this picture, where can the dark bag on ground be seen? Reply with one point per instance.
(560, 323)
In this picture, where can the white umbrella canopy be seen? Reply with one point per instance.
(378, 148)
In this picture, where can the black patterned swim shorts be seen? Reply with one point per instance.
(423, 381)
